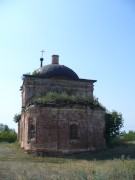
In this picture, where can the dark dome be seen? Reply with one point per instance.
(56, 70)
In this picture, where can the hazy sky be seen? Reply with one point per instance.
(95, 38)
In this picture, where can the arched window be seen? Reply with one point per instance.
(73, 131)
(32, 131)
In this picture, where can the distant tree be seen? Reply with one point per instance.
(7, 134)
(129, 136)
(17, 118)
(5, 128)
(114, 123)
(2, 127)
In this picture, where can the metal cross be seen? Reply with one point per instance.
(42, 52)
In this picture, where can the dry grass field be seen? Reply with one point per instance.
(116, 163)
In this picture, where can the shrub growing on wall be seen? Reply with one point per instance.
(17, 118)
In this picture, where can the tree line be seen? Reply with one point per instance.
(7, 134)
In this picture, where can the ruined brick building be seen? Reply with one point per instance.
(59, 113)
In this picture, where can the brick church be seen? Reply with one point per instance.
(59, 113)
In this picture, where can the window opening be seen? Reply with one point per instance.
(73, 131)
(32, 131)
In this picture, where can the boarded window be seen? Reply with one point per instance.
(32, 131)
(73, 131)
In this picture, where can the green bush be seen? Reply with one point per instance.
(7, 134)
(130, 136)
(114, 122)
(8, 137)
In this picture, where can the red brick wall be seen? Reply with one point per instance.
(53, 132)
(53, 123)
(32, 86)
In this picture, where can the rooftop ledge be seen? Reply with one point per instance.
(65, 103)
(59, 78)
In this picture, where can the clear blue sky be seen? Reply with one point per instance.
(95, 38)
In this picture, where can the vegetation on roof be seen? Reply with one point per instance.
(66, 96)
(35, 73)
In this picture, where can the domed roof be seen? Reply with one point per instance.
(56, 70)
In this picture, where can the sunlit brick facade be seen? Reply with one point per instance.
(59, 127)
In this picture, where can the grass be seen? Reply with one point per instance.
(117, 162)
(63, 96)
